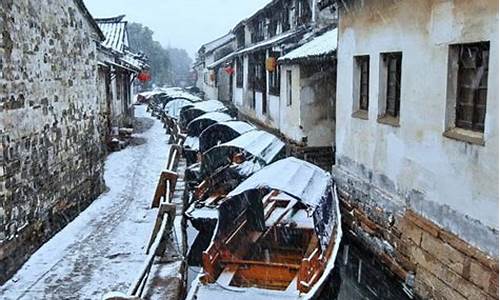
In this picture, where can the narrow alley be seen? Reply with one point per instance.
(102, 249)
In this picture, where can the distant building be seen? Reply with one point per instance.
(215, 82)
(118, 67)
(257, 83)
(417, 140)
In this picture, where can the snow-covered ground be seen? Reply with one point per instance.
(103, 248)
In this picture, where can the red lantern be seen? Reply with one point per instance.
(144, 76)
(229, 70)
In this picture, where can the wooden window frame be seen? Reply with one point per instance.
(390, 84)
(361, 86)
(460, 127)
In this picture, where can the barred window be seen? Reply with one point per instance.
(472, 85)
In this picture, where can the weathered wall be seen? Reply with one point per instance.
(389, 172)
(51, 157)
(290, 123)
(317, 103)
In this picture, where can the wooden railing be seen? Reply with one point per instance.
(164, 221)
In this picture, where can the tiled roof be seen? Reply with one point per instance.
(115, 31)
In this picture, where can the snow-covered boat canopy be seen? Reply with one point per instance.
(223, 132)
(196, 126)
(262, 147)
(304, 181)
(173, 108)
(190, 113)
(320, 46)
(259, 143)
(178, 93)
(296, 177)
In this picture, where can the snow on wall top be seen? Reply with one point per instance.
(115, 32)
(259, 143)
(296, 177)
(320, 45)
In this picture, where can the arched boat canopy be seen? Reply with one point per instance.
(223, 132)
(190, 113)
(174, 107)
(300, 179)
(261, 148)
(196, 126)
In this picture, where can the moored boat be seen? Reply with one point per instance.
(277, 236)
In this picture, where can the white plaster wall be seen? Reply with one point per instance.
(456, 179)
(289, 119)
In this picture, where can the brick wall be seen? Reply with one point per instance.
(435, 262)
(51, 155)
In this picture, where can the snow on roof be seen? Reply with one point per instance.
(259, 143)
(211, 46)
(115, 31)
(134, 60)
(321, 45)
(214, 116)
(222, 60)
(293, 176)
(268, 42)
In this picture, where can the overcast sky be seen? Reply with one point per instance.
(180, 23)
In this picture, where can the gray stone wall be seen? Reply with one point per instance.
(51, 155)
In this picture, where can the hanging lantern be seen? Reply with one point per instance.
(144, 76)
(271, 64)
(229, 70)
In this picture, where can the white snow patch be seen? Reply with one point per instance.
(320, 45)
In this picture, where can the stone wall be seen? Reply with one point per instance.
(430, 260)
(51, 156)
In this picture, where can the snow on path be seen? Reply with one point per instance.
(103, 248)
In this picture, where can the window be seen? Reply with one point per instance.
(390, 87)
(472, 86)
(274, 77)
(288, 87)
(259, 72)
(303, 12)
(239, 72)
(361, 85)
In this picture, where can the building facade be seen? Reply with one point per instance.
(211, 75)
(417, 140)
(51, 155)
(258, 84)
(118, 67)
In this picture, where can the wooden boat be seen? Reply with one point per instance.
(223, 168)
(277, 236)
(191, 145)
